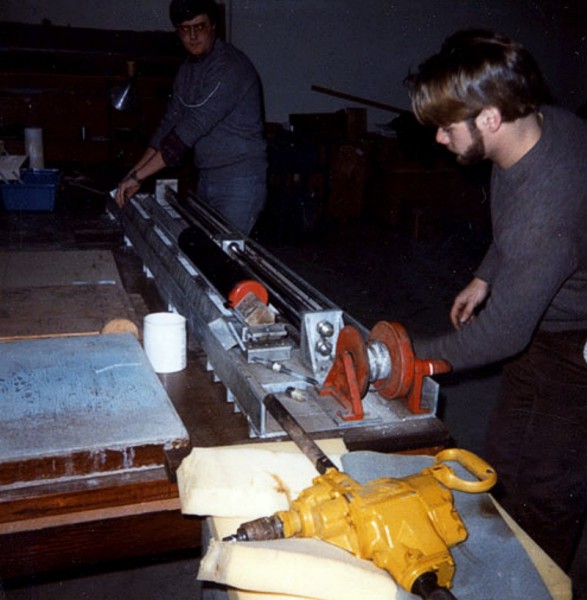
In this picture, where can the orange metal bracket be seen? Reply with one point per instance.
(348, 379)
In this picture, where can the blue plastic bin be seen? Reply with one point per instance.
(36, 191)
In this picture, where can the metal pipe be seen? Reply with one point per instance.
(298, 435)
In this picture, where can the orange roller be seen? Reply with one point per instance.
(243, 288)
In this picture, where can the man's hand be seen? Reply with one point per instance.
(126, 189)
(464, 305)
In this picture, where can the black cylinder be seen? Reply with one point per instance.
(216, 266)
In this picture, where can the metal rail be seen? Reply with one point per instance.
(153, 226)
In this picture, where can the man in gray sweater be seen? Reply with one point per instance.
(216, 111)
(527, 303)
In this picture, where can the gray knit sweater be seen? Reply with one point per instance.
(537, 263)
(216, 109)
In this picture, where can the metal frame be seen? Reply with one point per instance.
(152, 225)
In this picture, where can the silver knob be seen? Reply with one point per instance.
(324, 348)
(325, 328)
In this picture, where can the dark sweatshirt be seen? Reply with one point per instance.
(216, 109)
(537, 263)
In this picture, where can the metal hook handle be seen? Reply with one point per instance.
(485, 473)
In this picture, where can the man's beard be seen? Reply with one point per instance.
(476, 151)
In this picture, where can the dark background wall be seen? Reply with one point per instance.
(363, 48)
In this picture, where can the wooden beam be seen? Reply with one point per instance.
(366, 101)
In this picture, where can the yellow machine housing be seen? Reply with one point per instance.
(405, 526)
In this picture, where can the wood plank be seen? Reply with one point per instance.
(23, 506)
(60, 291)
(61, 309)
(76, 406)
(43, 268)
(87, 516)
(74, 546)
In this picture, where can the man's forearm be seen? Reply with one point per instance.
(151, 162)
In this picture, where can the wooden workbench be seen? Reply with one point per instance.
(89, 436)
(65, 524)
(62, 523)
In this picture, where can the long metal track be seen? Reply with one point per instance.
(152, 225)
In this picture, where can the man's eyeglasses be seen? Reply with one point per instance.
(193, 29)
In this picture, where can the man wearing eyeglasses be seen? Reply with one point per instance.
(216, 110)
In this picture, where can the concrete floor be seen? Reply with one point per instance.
(375, 273)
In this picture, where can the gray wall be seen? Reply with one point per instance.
(360, 47)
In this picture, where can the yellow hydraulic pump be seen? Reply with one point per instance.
(405, 526)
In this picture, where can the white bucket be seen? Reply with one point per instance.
(164, 341)
(33, 144)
